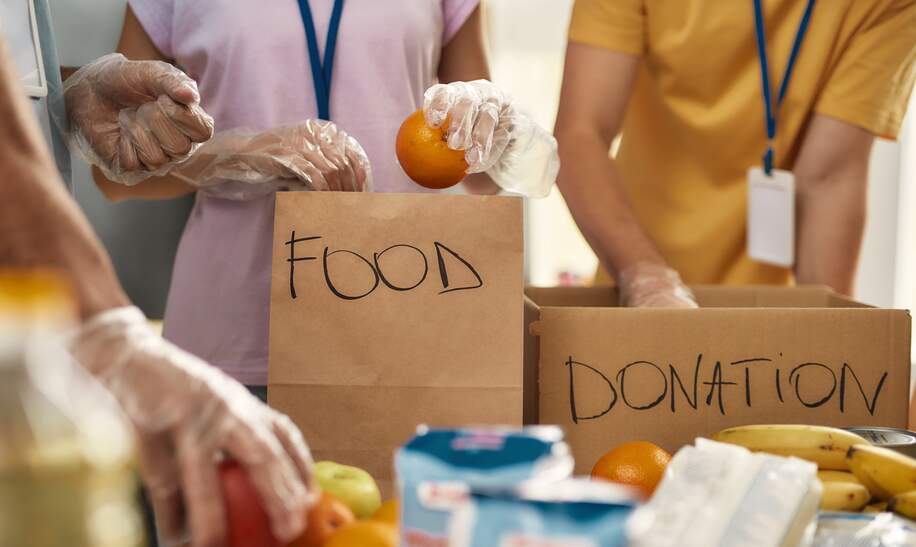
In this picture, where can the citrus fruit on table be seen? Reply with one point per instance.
(324, 519)
(367, 533)
(388, 512)
(639, 464)
(425, 156)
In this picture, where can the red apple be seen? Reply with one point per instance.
(247, 522)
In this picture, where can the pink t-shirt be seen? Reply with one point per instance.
(250, 60)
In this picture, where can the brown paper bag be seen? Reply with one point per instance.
(393, 310)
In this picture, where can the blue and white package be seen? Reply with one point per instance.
(439, 468)
(569, 513)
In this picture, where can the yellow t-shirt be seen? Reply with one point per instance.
(695, 123)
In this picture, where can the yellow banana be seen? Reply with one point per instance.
(884, 472)
(904, 504)
(877, 507)
(825, 446)
(844, 496)
(838, 476)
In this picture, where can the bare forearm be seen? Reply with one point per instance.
(592, 188)
(831, 224)
(40, 225)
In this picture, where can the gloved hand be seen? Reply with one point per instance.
(314, 155)
(498, 139)
(134, 119)
(649, 285)
(186, 414)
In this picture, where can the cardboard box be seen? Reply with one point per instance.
(393, 310)
(749, 355)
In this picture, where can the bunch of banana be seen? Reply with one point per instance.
(825, 446)
(889, 476)
(856, 475)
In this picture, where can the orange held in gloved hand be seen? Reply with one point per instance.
(425, 156)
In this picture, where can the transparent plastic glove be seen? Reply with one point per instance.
(498, 139)
(187, 414)
(134, 119)
(649, 285)
(242, 164)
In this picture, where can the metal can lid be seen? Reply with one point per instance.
(900, 440)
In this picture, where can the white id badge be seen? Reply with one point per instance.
(771, 217)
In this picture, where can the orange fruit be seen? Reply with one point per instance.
(325, 518)
(425, 156)
(639, 464)
(366, 533)
(388, 512)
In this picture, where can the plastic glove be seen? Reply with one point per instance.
(134, 119)
(498, 139)
(649, 285)
(187, 413)
(314, 155)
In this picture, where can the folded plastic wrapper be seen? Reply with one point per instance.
(720, 495)
(864, 530)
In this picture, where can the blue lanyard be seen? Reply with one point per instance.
(765, 74)
(322, 70)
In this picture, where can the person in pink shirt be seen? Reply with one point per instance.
(259, 67)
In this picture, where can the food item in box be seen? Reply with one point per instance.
(825, 446)
(438, 469)
(351, 485)
(716, 494)
(568, 513)
(855, 530)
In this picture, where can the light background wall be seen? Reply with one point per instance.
(141, 236)
(527, 39)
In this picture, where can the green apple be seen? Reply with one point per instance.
(353, 486)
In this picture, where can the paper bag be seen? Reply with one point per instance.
(393, 310)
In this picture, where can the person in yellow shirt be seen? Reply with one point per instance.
(681, 82)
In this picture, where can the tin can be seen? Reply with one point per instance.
(900, 440)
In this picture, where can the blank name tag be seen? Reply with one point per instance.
(771, 217)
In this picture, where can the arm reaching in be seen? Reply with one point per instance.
(185, 411)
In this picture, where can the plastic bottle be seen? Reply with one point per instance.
(67, 475)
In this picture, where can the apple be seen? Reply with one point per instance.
(353, 486)
(247, 523)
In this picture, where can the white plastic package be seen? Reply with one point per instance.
(716, 494)
(864, 530)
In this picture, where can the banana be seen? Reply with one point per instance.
(825, 446)
(838, 476)
(844, 496)
(884, 472)
(877, 507)
(903, 504)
